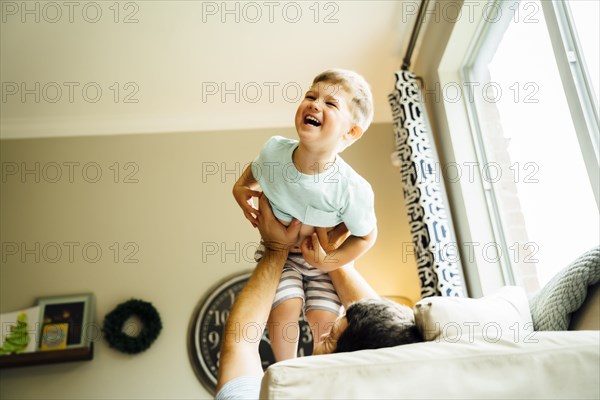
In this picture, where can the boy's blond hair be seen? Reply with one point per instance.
(357, 87)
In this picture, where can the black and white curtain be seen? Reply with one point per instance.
(437, 257)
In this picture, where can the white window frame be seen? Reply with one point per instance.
(472, 200)
(575, 79)
(479, 53)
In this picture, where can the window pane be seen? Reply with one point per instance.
(546, 205)
(585, 15)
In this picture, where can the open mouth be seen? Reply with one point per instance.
(310, 120)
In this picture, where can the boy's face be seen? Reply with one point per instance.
(324, 117)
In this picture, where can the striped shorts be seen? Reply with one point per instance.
(301, 280)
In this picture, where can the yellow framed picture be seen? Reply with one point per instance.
(54, 337)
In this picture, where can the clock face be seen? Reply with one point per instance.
(206, 331)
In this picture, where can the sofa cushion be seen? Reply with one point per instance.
(552, 306)
(502, 313)
(536, 365)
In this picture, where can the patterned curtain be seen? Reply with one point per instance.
(437, 257)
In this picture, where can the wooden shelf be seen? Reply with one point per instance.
(47, 357)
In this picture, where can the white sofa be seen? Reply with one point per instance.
(520, 364)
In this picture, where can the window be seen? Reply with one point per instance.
(584, 15)
(533, 79)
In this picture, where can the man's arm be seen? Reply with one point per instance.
(239, 353)
(351, 286)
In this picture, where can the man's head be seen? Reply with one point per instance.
(336, 111)
(371, 324)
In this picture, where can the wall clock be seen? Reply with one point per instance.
(206, 331)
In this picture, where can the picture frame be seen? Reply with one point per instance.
(66, 322)
(19, 331)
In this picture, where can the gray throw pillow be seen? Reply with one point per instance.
(552, 306)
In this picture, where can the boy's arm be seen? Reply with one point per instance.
(352, 248)
(247, 179)
(243, 191)
(348, 283)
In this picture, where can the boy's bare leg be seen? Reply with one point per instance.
(320, 322)
(283, 329)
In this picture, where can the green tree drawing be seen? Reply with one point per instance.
(18, 338)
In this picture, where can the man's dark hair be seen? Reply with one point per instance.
(377, 323)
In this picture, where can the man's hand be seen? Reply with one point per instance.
(276, 236)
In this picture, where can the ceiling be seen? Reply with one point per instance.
(158, 67)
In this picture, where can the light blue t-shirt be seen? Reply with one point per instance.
(336, 195)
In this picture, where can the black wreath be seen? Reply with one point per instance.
(113, 326)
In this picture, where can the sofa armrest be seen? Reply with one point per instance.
(538, 365)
